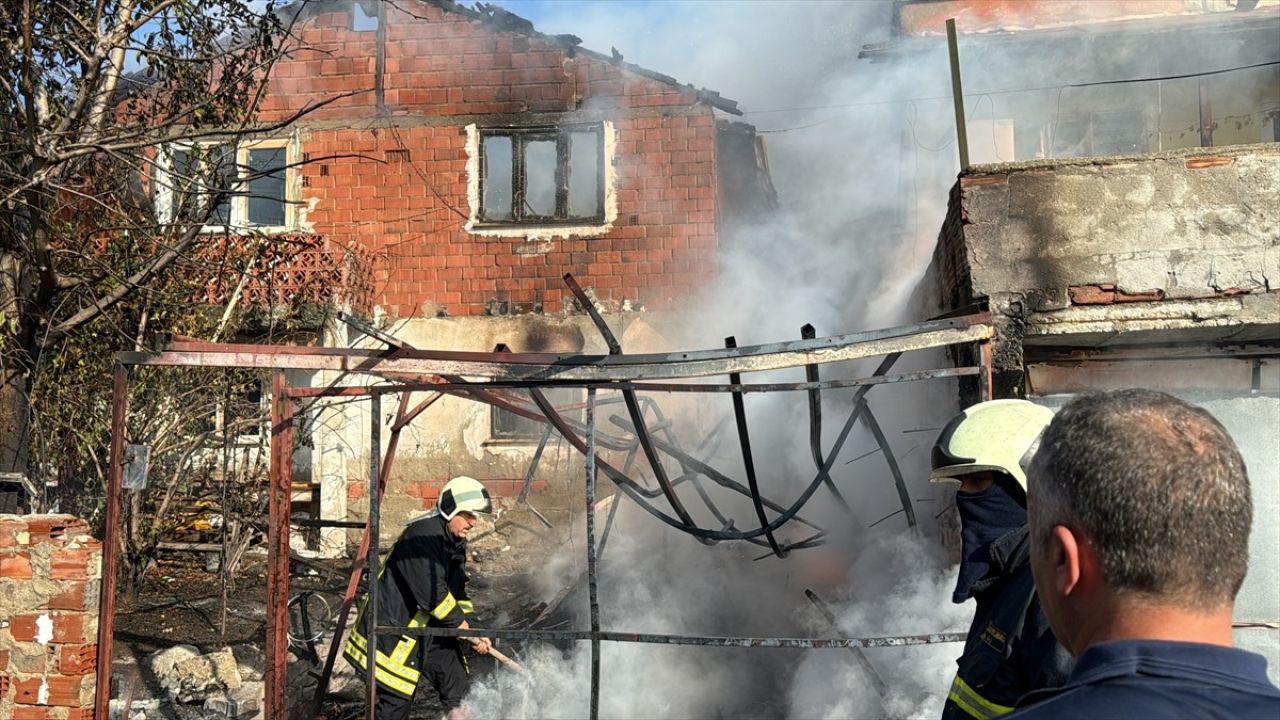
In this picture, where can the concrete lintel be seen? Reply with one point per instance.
(1253, 318)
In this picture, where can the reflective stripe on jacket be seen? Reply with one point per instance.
(1010, 650)
(422, 582)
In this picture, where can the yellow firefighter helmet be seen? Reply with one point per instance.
(464, 494)
(997, 435)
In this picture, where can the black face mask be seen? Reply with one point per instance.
(984, 516)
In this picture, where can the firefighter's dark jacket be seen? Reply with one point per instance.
(423, 582)
(1010, 650)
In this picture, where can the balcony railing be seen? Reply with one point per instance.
(292, 270)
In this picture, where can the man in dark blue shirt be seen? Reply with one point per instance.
(1139, 511)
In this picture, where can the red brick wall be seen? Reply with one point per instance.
(446, 70)
(49, 573)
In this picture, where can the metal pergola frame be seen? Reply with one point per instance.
(497, 378)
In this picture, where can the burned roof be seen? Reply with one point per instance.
(499, 18)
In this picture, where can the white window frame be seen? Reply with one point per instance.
(240, 199)
(555, 228)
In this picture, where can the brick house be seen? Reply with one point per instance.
(478, 161)
(471, 162)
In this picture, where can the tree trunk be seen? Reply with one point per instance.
(15, 366)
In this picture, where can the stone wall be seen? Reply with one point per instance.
(50, 568)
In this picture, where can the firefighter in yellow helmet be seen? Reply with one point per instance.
(423, 581)
(1010, 649)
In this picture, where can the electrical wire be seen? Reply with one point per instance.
(988, 93)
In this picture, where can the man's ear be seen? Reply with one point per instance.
(1065, 553)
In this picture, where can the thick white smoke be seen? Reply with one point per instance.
(860, 205)
(863, 155)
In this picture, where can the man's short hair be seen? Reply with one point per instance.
(1159, 489)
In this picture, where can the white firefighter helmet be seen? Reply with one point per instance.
(464, 494)
(997, 435)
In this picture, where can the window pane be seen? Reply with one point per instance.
(1070, 138)
(220, 172)
(183, 172)
(198, 168)
(495, 203)
(266, 192)
(540, 178)
(584, 174)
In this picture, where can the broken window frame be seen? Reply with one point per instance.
(520, 138)
(167, 184)
(569, 400)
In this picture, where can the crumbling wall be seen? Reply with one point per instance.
(1172, 247)
(50, 568)
(1177, 225)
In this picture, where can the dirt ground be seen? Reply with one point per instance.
(182, 602)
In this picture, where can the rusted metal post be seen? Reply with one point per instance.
(371, 562)
(111, 540)
(592, 576)
(867, 668)
(633, 406)
(986, 390)
(957, 94)
(278, 491)
(869, 419)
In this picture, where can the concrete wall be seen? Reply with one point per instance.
(1184, 224)
(50, 568)
(1174, 247)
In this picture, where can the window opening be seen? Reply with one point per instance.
(362, 21)
(540, 179)
(542, 175)
(201, 169)
(253, 179)
(496, 169)
(512, 427)
(584, 170)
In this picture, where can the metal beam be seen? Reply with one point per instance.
(542, 366)
(698, 640)
(417, 383)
